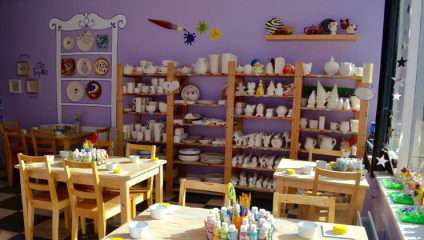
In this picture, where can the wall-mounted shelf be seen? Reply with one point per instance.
(256, 168)
(317, 37)
(273, 117)
(177, 161)
(330, 109)
(326, 131)
(266, 96)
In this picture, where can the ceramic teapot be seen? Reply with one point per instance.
(328, 143)
(151, 69)
(310, 143)
(310, 30)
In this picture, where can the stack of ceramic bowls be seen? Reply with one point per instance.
(144, 154)
(214, 178)
(189, 155)
(212, 158)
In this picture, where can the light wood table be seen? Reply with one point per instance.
(133, 174)
(307, 182)
(69, 139)
(188, 223)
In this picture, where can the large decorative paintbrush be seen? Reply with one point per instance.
(167, 25)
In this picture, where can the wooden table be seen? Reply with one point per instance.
(69, 139)
(307, 181)
(135, 173)
(188, 223)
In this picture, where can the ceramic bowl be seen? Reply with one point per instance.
(188, 151)
(64, 154)
(205, 141)
(138, 229)
(191, 102)
(111, 165)
(185, 70)
(134, 158)
(158, 211)
(179, 101)
(307, 170)
(186, 158)
(57, 133)
(150, 108)
(307, 229)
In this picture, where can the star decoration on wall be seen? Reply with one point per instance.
(386, 146)
(398, 81)
(215, 34)
(401, 62)
(203, 27)
(396, 96)
(381, 161)
(392, 113)
(404, 45)
(389, 131)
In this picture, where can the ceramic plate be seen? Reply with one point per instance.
(85, 40)
(325, 24)
(128, 109)
(190, 93)
(84, 66)
(68, 66)
(101, 66)
(75, 91)
(102, 41)
(68, 42)
(93, 90)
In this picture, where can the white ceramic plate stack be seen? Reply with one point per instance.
(214, 178)
(189, 155)
(212, 158)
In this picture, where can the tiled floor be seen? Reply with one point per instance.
(11, 217)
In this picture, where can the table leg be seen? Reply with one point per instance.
(24, 204)
(359, 203)
(159, 185)
(66, 145)
(282, 190)
(125, 202)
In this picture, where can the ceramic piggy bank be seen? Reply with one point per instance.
(352, 29)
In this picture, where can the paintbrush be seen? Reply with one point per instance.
(168, 25)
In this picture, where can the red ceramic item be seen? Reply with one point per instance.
(288, 69)
(311, 30)
(344, 23)
(93, 138)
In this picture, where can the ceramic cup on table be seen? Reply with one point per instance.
(313, 124)
(139, 136)
(160, 89)
(110, 166)
(145, 89)
(64, 154)
(134, 158)
(138, 229)
(130, 87)
(158, 211)
(307, 229)
(155, 82)
(307, 170)
(321, 163)
(334, 126)
(148, 135)
(50, 158)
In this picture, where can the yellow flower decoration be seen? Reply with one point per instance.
(215, 34)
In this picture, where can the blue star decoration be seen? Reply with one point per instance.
(401, 62)
(190, 37)
(398, 81)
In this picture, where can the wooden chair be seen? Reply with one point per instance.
(205, 186)
(104, 130)
(107, 144)
(14, 125)
(51, 198)
(11, 149)
(326, 202)
(50, 140)
(343, 176)
(96, 205)
(324, 152)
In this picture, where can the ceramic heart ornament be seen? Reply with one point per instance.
(193, 96)
(171, 86)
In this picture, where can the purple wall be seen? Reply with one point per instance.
(25, 31)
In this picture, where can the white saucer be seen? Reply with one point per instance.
(149, 161)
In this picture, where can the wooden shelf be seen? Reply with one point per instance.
(332, 76)
(263, 148)
(315, 37)
(269, 96)
(326, 131)
(201, 125)
(144, 141)
(256, 168)
(201, 144)
(274, 117)
(254, 189)
(329, 109)
(148, 113)
(201, 105)
(282, 75)
(198, 163)
(202, 75)
(145, 75)
(146, 94)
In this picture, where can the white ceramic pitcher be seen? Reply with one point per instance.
(328, 143)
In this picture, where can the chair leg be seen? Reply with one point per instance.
(133, 209)
(30, 221)
(83, 226)
(55, 223)
(66, 212)
(10, 172)
(96, 226)
(74, 228)
(299, 211)
(102, 228)
(150, 199)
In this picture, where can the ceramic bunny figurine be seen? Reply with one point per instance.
(241, 88)
(259, 182)
(251, 88)
(243, 182)
(252, 139)
(258, 139)
(234, 160)
(240, 159)
(311, 100)
(277, 162)
(235, 178)
(249, 109)
(267, 139)
(251, 181)
(262, 161)
(271, 88)
(265, 183)
(279, 91)
(254, 162)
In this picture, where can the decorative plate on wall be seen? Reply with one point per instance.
(85, 40)
(325, 24)
(190, 93)
(68, 42)
(93, 90)
(75, 91)
(84, 66)
(68, 66)
(101, 66)
(102, 41)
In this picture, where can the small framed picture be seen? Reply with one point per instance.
(22, 68)
(15, 86)
(32, 85)
(1, 103)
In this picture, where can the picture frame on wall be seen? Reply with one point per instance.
(32, 85)
(22, 68)
(15, 86)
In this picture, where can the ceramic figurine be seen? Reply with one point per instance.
(269, 186)
(254, 162)
(311, 100)
(331, 67)
(279, 65)
(241, 89)
(262, 161)
(238, 137)
(258, 68)
(251, 139)
(321, 96)
(352, 29)
(239, 69)
(277, 162)
(246, 160)
(260, 90)
(307, 67)
(288, 30)
(270, 112)
(310, 30)
(234, 160)
(289, 89)
(346, 104)
(346, 68)
(260, 109)
(235, 178)
(287, 138)
(255, 176)
(274, 183)
(270, 162)
(238, 111)
(267, 139)
(259, 182)
(246, 140)
(251, 88)
(269, 69)
(333, 28)
(243, 182)
(279, 91)
(251, 181)
(340, 104)
(247, 69)
(344, 24)
(258, 139)
(249, 109)
(281, 111)
(289, 115)
(241, 158)
(271, 89)
(277, 141)
(273, 24)
(333, 98)
(265, 182)
(288, 69)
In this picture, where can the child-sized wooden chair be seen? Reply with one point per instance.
(13, 125)
(105, 145)
(204, 186)
(12, 147)
(324, 152)
(37, 139)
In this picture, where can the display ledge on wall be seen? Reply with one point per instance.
(144, 141)
(312, 37)
(264, 75)
(146, 94)
(198, 163)
(254, 189)
(274, 117)
(201, 105)
(149, 113)
(200, 125)
(145, 75)
(256, 168)
(263, 148)
(269, 96)
(326, 131)
(330, 109)
(332, 76)
(200, 144)
(201, 75)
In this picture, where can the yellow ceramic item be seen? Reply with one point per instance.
(290, 171)
(117, 171)
(154, 159)
(340, 229)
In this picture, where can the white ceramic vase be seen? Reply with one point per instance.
(201, 67)
(214, 59)
(281, 111)
(331, 67)
(224, 61)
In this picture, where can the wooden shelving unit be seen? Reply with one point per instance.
(254, 189)
(256, 168)
(315, 37)
(177, 161)
(273, 117)
(326, 131)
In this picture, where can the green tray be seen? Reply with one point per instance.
(402, 198)
(411, 215)
(388, 183)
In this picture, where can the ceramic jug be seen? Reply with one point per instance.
(303, 123)
(344, 126)
(328, 143)
(201, 67)
(310, 143)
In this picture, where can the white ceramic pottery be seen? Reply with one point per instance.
(307, 67)
(158, 211)
(310, 143)
(138, 229)
(225, 58)
(201, 67)
(214, 60)
(331, 67)
(328, 143)
(279, 65)
(334, 126)
(344, 126)
(303, 122)
(356, 103)
(313, 124)
(346, 69)
(281, 111)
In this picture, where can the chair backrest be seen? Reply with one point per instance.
(47, 138)
(356, 176)
(50, 186)
(2, 133)
(104, 130)
(203, 186)
(326, 202)
(151, 148)
(108, 144)
(74, 193)
(9, 134)
(324, 152)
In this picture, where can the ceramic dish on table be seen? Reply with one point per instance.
(190, 93)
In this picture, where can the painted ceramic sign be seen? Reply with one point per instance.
(84, 66)
(171, 86)
(365, 93)
(68, 42)
(190, 93)
(75, 91)
(101, 66)
(102, 41)
(93, 90)
(85, 40)
(68, 66)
